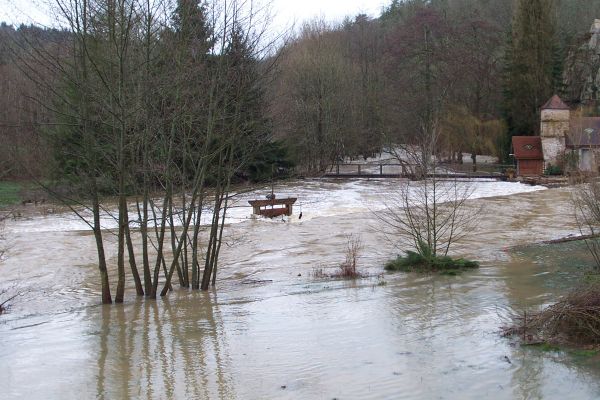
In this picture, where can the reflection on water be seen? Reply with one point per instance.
(155, 350)
(297, 337)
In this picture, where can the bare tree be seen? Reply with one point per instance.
(6, 297)
(22, 150)
(430, 215)
(586, 199)
(158, 105)
(325, 98)
(353, 248)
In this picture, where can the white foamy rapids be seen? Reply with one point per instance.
(316, 198)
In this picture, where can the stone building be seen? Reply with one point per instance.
(567, 140)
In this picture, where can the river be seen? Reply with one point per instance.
(272, 330)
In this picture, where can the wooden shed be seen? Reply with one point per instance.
(529, 155)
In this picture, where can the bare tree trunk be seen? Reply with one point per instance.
(219, 241)
(221, 228)
(159, 249)
(186, 226)
(145, 146)
(174, 244)
(145, 256)
(121, 253)
(131, 253)
(212, 242)
(106, 296)
(195, 263)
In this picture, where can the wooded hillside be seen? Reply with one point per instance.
(475, 71)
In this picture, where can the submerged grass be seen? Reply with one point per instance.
(585, 353)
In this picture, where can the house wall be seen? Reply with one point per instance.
(589, 160)
(586, 160)
(596, 160)
(553, 148)
(555, 125)
(530, 167)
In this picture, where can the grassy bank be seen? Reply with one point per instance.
(10, 193)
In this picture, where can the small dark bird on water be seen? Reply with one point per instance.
(300, 216)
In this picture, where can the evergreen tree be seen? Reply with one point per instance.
(532, 65)
(246, 110)
(192, 28)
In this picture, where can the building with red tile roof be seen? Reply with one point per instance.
(561, 134)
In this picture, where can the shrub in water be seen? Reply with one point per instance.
(573, 321)
(425, 261)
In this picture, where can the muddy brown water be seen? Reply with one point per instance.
(272, 331)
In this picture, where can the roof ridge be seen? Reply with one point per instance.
(555, 103)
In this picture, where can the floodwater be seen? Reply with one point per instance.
(271, 330)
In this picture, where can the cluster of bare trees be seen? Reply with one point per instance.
(478, 70)
(352, 89)
(158, 104)
(22, 148)
(586, 199)
(328, 92)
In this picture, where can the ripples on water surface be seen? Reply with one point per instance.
(297, 337)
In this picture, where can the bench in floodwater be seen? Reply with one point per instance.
(272, 208)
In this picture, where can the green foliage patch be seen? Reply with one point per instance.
(585, 353)
(425, 261)
(553, 170)
(10, 193)
(546, 347)
(271, 162)
(414, 262)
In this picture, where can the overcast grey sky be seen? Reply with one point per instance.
(285, 12)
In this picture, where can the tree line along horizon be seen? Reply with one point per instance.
(477, 70)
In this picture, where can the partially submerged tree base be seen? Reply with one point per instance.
(573, 321)
(343, 271)
(347, 269)
(5, 299)
(415, 262)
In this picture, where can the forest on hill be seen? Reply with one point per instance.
(472, 72)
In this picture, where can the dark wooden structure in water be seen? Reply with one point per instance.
(272, 208)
